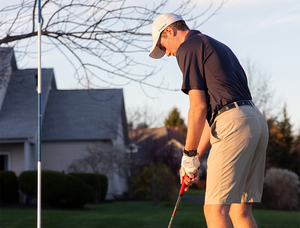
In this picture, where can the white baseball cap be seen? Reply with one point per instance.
(158, 26)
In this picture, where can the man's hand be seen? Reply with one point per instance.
(189, 165)
(188, 181)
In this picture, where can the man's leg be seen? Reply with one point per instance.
(217, 216)
(241, 215)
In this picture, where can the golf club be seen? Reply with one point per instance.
(183, 185)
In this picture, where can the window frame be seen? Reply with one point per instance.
(8, 154)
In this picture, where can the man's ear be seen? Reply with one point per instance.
(171, 31)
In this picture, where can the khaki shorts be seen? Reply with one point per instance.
(236, 163)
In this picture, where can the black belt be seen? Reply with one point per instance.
(228, 107)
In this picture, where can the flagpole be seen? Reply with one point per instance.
(39, 176)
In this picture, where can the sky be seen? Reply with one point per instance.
(266, 32)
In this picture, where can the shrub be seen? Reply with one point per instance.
(58, 189)
(28, 182)
(201, 184)
(155, 183)
(281, 189)
(98, 182)
(8, 187)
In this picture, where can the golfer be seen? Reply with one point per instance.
(222, 115)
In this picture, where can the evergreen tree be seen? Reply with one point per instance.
(285, 128)
(281, 142)
(175, 122)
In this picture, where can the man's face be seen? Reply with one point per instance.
(169, 44)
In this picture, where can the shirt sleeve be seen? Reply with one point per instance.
(190, 61)
(189, 58)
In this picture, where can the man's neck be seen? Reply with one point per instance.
(182, 35)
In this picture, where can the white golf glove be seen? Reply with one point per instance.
(189, 165)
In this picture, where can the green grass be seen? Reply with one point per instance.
(131, 215)
(195, 193)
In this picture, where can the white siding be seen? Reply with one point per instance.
(58, 156)
(117, 184)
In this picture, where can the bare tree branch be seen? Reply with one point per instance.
(99, 38)
(260, 87)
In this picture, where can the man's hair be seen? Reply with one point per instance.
(179, 25)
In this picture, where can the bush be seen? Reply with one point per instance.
(9, 192)
(155, 183)
(58, 189)
(201, 184)
(98, 182)
(281, 189)
(28, 182)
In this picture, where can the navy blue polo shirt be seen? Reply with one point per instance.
(211, 66)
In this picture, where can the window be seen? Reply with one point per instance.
(4, 161)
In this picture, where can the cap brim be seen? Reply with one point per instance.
(156, 52)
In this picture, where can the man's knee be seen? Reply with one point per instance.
(240, 210)
(217, 215)
(241, 215)
(216, 209)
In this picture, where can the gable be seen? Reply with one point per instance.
(7, 67)
(18, 116)
(66, 114)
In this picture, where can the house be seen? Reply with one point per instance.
(157, 145)
(161, 145)
(72, 122)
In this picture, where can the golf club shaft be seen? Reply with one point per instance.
(183, 185)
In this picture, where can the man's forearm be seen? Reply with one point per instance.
(204, 140)
(196, 119)
(196, 124)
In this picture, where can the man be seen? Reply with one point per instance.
(236, 130)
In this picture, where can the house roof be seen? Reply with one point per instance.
(18, 116)
(162, 136)
(83, 114)
(138, 136)
(66, 114)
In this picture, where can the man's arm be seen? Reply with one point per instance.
(198, 129)
(204, 140)
(196, 119)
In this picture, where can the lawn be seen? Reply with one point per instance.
(194, 193)
(131, 215)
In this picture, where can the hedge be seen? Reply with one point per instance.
(281, 190)
(8, 187)
(58, 189)
(98, 182)
(156, 183)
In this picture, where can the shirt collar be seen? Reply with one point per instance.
(191, 33)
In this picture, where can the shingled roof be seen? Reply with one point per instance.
(18, 116)
(66, 114)
(83, 115)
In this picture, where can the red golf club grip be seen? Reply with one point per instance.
(183, 185)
